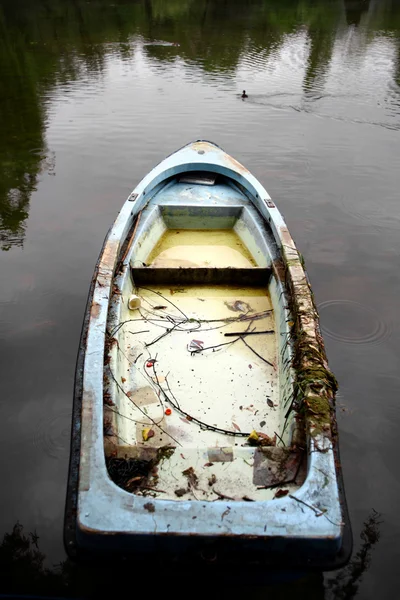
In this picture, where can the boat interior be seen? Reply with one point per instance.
(198, 377)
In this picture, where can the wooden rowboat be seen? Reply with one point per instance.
(204, 405)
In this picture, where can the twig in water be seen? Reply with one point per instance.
(136, 332)
(168, 331)
(224, 344)
(278, 436)
(170, 391)
(318, 512)
(142, 411)
(118, 327)
(256, 353)
(197, 351)
(137, 358)
(197, 421)
(164, 298)
(222, 496)
(232, 333)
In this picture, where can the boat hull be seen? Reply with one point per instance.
(102, 519)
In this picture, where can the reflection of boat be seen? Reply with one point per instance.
(204, 407)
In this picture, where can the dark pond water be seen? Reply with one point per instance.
(92, 95)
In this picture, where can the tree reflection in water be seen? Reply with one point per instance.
(23, 571)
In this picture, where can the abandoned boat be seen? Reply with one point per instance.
(204, 406)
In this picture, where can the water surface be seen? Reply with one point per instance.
(92, 95)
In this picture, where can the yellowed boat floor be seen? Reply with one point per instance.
(204, 248)
(175, 395)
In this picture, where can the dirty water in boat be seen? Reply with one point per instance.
(92, 96)
(196, 367)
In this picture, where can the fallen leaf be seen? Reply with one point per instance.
(253, 436)
(123, 379)
(236, 426)
(262, 423)
(270, 403)
(147, 434)
(195, 345)
(258, 438)
(239, 306)
(159, 307)
(266, 440)
(209, 464)
(212, 480)
(281, 493)
(191, 476)
(250, 367)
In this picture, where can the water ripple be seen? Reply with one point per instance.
(52, 434)
(351, 322)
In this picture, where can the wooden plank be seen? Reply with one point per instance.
(254, 276)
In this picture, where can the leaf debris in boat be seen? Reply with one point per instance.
(236, 426)
(195, 345)
(257, 438)
(281, 493)
(239, 306)
(191, 476)
(212, 480)
(147, 434)
(270, 403)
